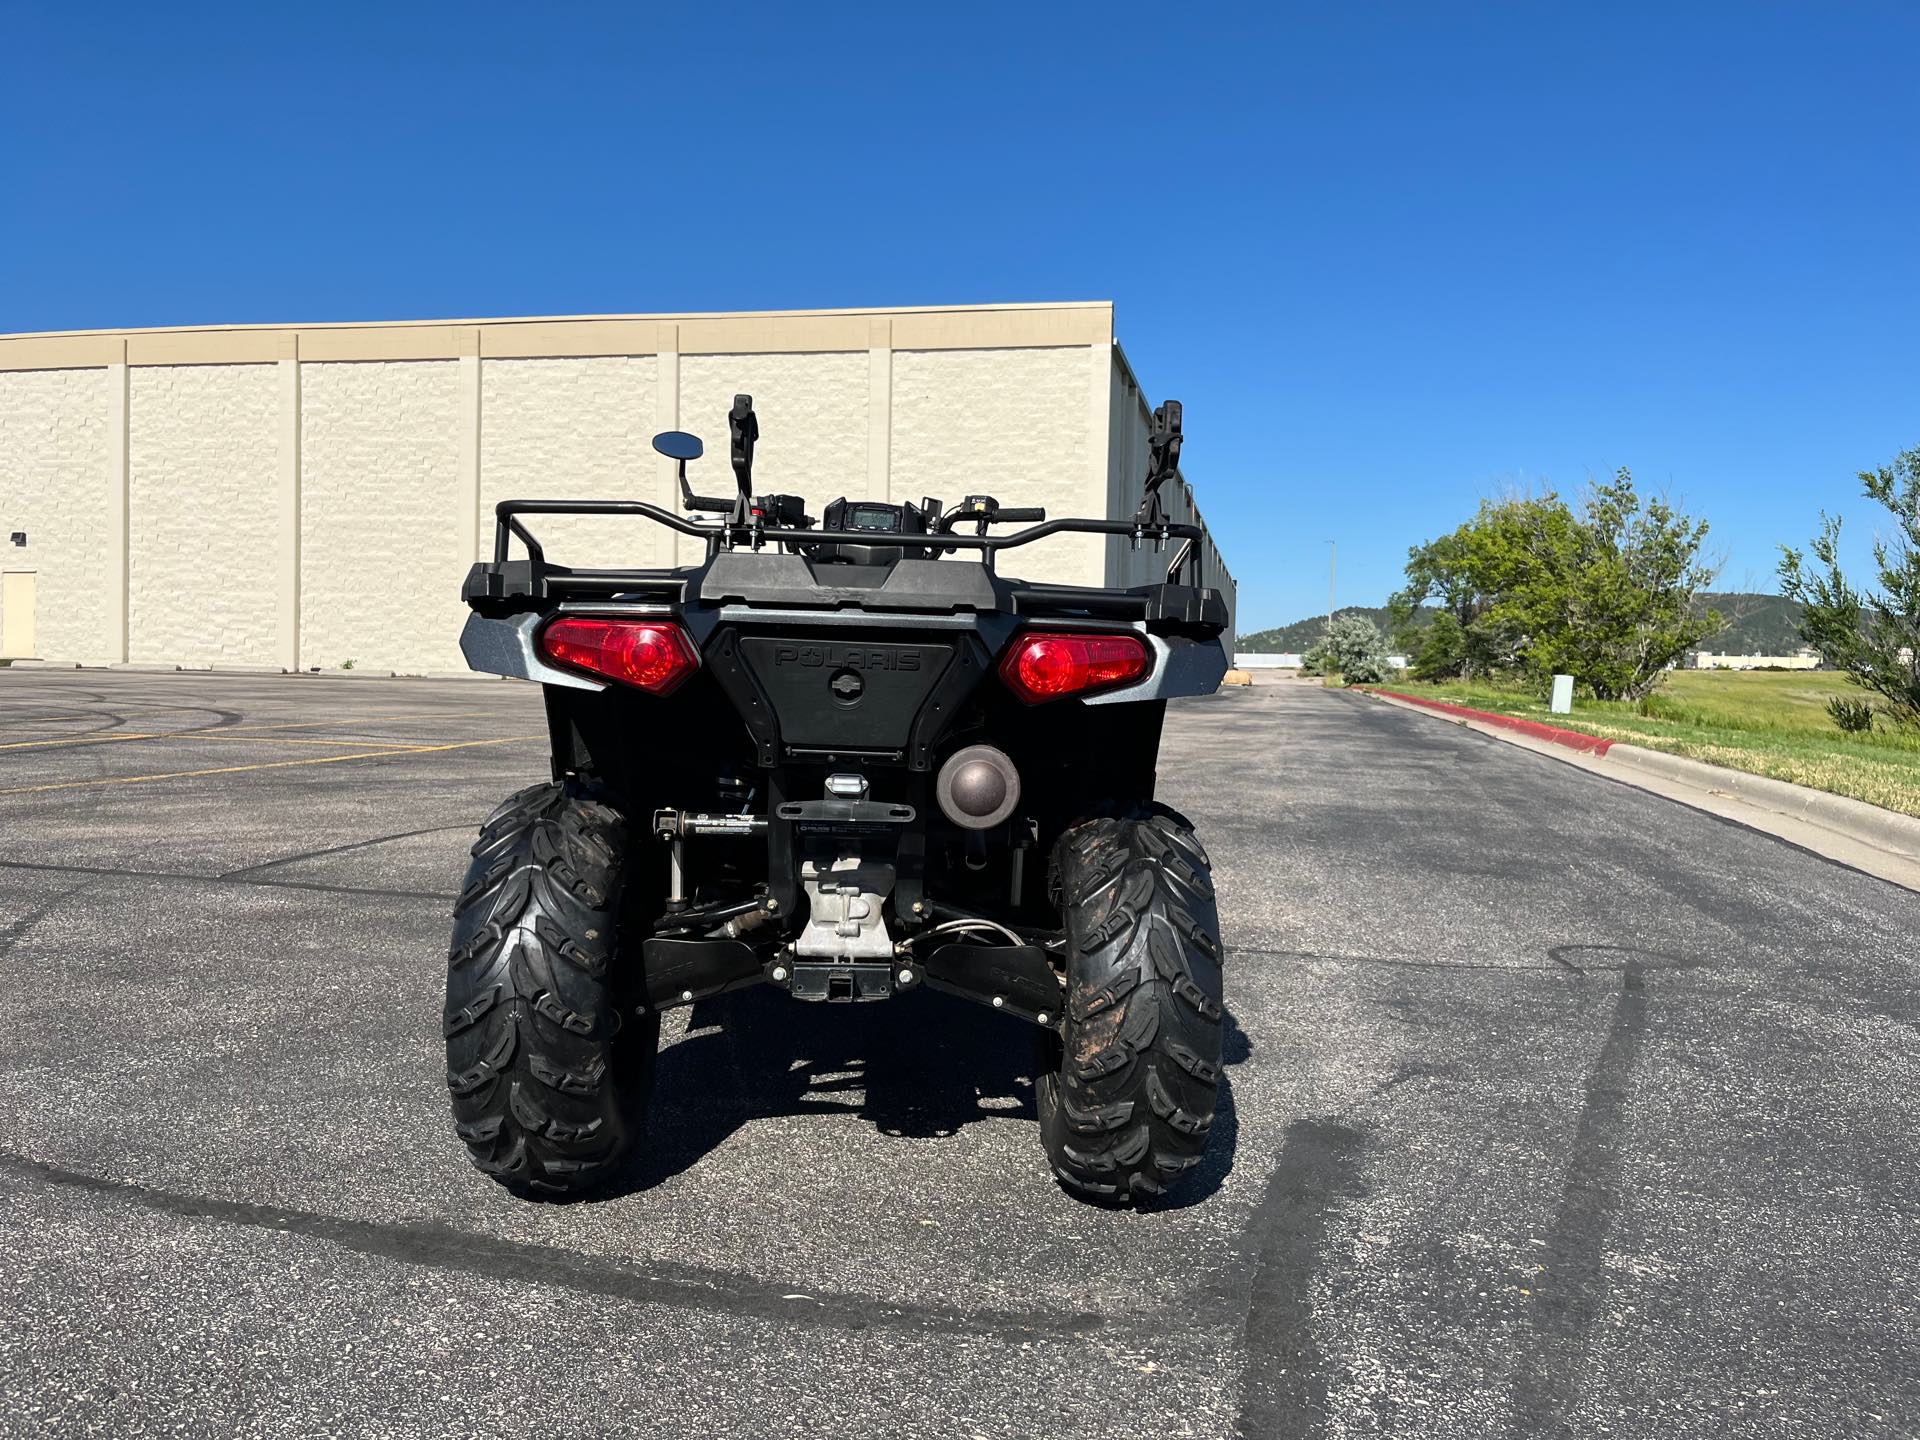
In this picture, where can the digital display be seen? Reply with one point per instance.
(875, 517)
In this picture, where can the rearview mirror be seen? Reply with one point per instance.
(678, 445)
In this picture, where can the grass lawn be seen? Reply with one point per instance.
(1766, 722)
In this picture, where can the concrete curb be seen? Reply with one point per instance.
(1552, 734)
(1853, 820)
(1869, 824)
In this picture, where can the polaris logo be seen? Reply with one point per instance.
(848, 657)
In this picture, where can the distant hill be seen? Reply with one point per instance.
(1755, 625)
(1303, 635)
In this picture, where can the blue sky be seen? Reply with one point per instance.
(1392, 257)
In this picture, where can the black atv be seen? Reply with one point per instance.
(852, 762)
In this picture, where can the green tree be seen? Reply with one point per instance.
(1609, 598)
(1873, 636)
(1531, 588)
(1482, 580)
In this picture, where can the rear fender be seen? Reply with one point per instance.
(1182, 666)
(503, 645)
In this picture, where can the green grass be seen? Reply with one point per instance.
(1763, 722)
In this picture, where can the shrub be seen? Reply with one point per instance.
(1366, 670)
(1853, 716)
(1352, 646)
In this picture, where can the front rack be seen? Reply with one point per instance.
(729, 535)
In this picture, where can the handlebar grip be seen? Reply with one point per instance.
(1009, 514)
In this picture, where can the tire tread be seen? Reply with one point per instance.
(548, 1085)
(1127, 1108)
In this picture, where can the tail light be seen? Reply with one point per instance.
(1046, 665)
(654, 655)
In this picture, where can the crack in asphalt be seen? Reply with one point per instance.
(1621, 958)
(1284, 1390)
(15, 931)
(121, 873)
(443, 1247)
(1567, 1298)
(246, 870)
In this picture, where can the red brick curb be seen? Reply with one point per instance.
(1572, 739)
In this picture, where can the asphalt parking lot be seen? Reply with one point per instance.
(1554, 1108)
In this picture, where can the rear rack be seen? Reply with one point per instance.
(723, 536)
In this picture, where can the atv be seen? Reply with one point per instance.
(850, 761)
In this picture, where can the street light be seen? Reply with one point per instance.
(1333, 552)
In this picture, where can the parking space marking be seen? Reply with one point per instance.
(318, 724)
(223, 734)
(265, 765)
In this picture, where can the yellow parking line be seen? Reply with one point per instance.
(266, 765)
(217, 736)
(347, 722)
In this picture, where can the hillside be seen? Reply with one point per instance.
(1756, 625)
(1301, 635)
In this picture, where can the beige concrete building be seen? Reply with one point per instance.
(290, 497)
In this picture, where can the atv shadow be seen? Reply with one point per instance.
(921, 1075)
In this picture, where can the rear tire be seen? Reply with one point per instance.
(1128, 1099)
(549, 1077)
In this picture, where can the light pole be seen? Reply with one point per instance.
(1333, 551)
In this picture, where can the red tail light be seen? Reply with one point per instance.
(1045, 664)
(655, 655)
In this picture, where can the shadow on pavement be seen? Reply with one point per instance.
(920, 1068)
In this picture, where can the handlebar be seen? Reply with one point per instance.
(999, 515)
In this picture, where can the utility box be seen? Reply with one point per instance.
(1562, 701)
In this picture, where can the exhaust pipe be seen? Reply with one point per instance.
(978, 787)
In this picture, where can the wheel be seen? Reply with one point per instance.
(1127, 1101)
(549, 1078)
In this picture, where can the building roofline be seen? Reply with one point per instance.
(223, 327)
(951, 327)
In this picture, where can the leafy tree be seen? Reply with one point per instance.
(1609, 598)
(1873, 636)
(1529, 587)
(1352, 646)
(1473, 576)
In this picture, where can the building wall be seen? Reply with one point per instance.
(813, 424)
(1713, 660)
(54, 465)
(575, 425)
(307, 496)
(202, 456)
(386, 529)
(1011, 424)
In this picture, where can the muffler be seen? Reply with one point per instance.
(978, 787)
